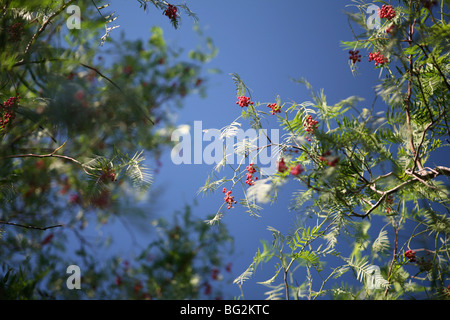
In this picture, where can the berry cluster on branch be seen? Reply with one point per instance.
(171, 12)
(250, 171)
(7, 113)
(229, 199)
(387, 12)
(244, 101)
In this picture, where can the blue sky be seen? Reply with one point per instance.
(267, 43)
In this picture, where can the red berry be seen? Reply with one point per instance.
(390, 29)
(354, 56)
(138, 287)
(75, 199)
(47, 239)
(208, 288)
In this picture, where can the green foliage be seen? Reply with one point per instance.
(185, 259)
(15, 285)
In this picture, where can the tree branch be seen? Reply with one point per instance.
(29, 226)
(49, 155)
(417, 176)
(408, 100)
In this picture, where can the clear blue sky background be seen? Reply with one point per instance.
(267, 43)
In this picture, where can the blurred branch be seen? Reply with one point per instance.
(49, 155)
(30, 227)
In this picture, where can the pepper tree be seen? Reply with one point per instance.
(369, 174)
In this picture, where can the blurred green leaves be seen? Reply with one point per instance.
(96, 112)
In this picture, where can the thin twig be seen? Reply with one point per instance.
(29, 226)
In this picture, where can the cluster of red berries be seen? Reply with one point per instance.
(11, 102)
(424, 264)
(171, 12)
(331, 161)
(310, 125)
(250, 171)
(387, 12)
(355, 56)
(215, 275)
(275, 108)
(390, 29)
(15, 32)
(244, 101)
(295, 170)
(411, 255)
(7, 114)
(282, 166)
(378, 58)
(229, 198)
